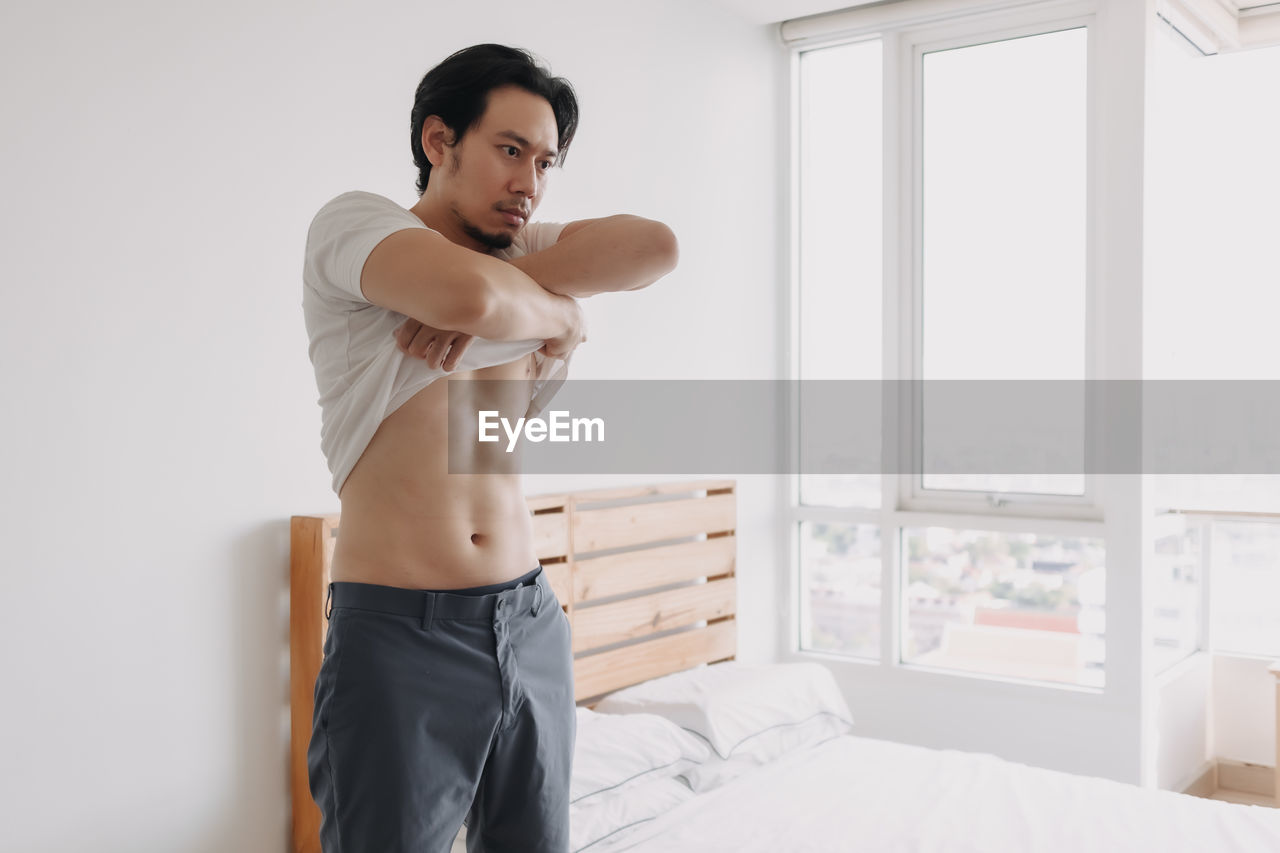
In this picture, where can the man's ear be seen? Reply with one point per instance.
(435, 136)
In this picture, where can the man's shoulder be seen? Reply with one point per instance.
(342, 234)
(359, 203)
(357, 214)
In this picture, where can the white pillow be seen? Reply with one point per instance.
(767, 747)
(728, 704)
(605, 820)
(613, 753)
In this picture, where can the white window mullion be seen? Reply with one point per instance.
(897, 335)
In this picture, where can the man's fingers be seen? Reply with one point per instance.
(430, 345)
(406, 330)
(414, 342)
(458, 347)
(438, 347)
(433, 351)
(434, 347)
(405, 335)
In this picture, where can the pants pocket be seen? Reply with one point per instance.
(329, 677)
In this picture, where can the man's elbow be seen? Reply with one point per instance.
(477, 307)
(663, 252)
(667, 247)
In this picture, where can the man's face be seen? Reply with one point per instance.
(497, 174)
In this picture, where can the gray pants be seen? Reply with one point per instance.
(437, 707)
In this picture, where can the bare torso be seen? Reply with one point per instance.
(407, 522)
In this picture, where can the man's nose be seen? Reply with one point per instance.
(526, 179)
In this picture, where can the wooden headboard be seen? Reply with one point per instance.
(645, 574)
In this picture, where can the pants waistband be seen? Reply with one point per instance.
(474, 603)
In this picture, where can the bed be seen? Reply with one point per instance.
(683, 748)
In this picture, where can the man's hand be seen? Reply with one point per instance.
(440, 347)
(444, 348)
(561, 345)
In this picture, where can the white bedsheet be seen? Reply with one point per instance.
(853, 793)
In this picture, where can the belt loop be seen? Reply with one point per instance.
(537, 598)
(428, 610)
(328, 609)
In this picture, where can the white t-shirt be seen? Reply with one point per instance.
(361, 373)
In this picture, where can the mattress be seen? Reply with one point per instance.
(856, 793)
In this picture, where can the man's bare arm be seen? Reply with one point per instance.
(423, 275)
(612, 254)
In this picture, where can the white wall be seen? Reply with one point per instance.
(1243, 724)
(162, 162)
(1212, 180)
(1060, 730)
(1215, 706)
(1184, 714)
(1209, 309)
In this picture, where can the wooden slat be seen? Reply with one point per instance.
(329, 518)
(637, 617)
(544, 502)
(561, 581)
(612, 670)
(310, 553)
(1248, 777)
(632, 571)
(619, 527)
(655, 489)
(551, 535)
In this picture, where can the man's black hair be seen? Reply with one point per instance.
(458, 90)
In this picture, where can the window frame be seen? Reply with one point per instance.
(913, 44)
(906, 33)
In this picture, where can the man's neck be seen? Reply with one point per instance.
(436, 216)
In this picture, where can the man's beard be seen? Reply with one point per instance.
(493, 241)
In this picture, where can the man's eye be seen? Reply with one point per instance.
(512, 149)
(546, 164)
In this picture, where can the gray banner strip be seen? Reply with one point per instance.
(958, 427)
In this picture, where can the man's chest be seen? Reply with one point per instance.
(427, 412)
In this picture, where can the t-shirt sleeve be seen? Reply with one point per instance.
(343, 234)
(535, 237)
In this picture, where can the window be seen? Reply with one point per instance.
(840, 567)
(1022, 605)
(1002, 261)
(840, 237)
(984, 176)
(947, 244)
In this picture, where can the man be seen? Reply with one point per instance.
(446, 691)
